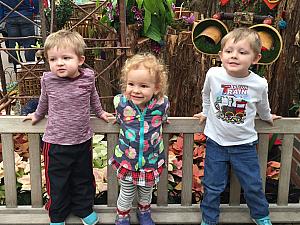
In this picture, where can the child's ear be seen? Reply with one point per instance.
(258, 57)
(81, 60)
(157, 89)
(220, 55)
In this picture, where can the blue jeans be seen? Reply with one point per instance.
(20, 27)
(244, 162)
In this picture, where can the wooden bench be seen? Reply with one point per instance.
(163, 213)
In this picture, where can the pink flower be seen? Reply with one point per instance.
(173, 7)
(109, 6)
(130, 153)
(156, 121)
(134, 9)
(189, 19)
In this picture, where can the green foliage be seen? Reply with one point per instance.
(153, 15)
(294, 109)
(100, 152)
(2, 192)
(64, 11)
(158, 15)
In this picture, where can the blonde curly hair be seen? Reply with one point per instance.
(155, 66)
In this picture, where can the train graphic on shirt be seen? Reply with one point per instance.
(231, 103)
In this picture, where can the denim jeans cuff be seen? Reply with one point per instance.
(209, 223)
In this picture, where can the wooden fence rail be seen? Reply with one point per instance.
(163, 213)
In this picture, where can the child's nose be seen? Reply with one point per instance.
(234, 54)
(136, 89)
(60, 62)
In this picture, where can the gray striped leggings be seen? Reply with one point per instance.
(127, 194)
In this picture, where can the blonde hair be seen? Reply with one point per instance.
(65, 38)
(242, 33)
(155, 66)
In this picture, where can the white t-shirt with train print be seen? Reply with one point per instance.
(231, 105)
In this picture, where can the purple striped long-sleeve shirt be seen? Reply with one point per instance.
(67, 101)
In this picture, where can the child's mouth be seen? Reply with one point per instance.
(136, 97)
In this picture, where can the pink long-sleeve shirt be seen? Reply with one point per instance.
(67, 101)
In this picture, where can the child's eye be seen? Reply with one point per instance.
(51, 60)
(130, 84)
(67, 57)
(144, 86)
(244, 53)
(227, 51)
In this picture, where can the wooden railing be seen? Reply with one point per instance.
(163, 213)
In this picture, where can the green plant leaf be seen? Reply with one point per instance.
(170, 187)
(169, 4)
(114, 3)
(154, 34)
(104, 19)
(151, 5)
(161, 7)
(97, 138)
(139, 3)
(153, 31)
(98, 164)
(169, 17)
(147, 20)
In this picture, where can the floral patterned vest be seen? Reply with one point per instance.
(140, 146)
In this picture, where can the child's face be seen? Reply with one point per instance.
(140, 86)
(238, 57)
(64, 62)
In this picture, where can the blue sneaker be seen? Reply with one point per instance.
(203, 223)
(263, 221)
(122, 221)
(91, 219)
(145, 217)
(61, 223)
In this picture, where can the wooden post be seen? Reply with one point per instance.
(43, 28)
(123, 31)
(53, 24)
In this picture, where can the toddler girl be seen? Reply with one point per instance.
(139, 156)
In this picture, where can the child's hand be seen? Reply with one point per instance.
(105, 116)
(274, 117)
(31, 117)
(201, 117)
